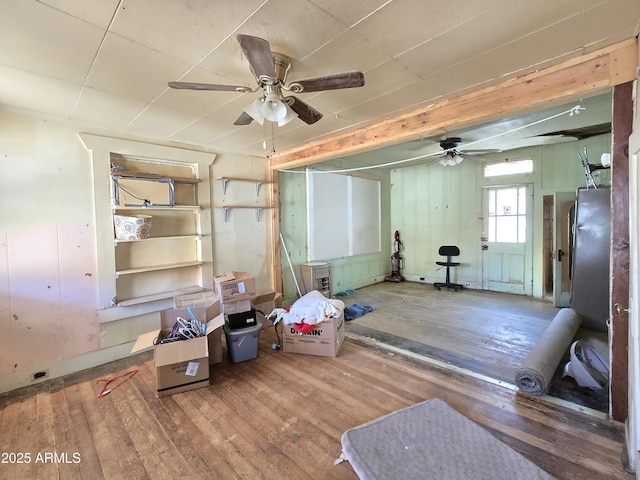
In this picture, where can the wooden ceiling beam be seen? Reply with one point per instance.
(573, 79)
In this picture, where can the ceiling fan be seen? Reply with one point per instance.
(270, 70)
(453, 156)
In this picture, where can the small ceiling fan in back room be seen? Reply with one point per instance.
(270, 70)
(453, 156)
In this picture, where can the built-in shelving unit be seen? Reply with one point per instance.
(169, 262)
(138, 278)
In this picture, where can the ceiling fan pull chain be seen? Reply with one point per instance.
(264, 136)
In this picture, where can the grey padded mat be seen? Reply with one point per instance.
(431, 440)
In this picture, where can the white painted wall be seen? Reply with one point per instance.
(48, 275)
(243, 242)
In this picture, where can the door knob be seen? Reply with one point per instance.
(620, 310)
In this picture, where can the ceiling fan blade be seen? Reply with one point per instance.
(307, 113)
(208, 86)
(328, 82)
(258, 53)
(475, 158)
(243, 119)
(481, 151)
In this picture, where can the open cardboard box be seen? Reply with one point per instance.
(266, 302)
(211, 302)
(184, 365)
(324, 341)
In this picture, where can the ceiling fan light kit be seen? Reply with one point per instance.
(450, 160)
(271, 107)
(270, 70)
(453, 157)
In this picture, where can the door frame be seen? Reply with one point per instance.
(527, 286)
(633, 305)
(562, 203)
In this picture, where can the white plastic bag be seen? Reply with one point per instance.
(587, 367)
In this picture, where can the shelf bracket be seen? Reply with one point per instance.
(258, 184)
(258, 213)
(225, 212)
(224, 187)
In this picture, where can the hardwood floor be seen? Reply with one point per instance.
(278, 416)
(487, 333)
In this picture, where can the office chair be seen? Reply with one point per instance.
(448, 251)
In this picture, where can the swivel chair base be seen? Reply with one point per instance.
(452, 286)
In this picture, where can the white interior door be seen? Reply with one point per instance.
(507, 258)
(564, 203)
(633, 422)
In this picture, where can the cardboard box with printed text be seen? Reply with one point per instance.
(324, 341)
(235, 286)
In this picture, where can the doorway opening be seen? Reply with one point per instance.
(547, 248)
(557, 247)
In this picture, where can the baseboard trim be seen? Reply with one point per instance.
(61, 368)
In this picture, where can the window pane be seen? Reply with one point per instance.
(508, 168)
(522, 201)
(507, 229)
(507, 221)
(522, 229)
(492, 202)
(507, 201)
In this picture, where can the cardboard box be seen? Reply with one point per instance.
(324, 341)
(200, 299)
(266, 302)
(182, 365)
(236, 307)
(210, 302)
(235, 286)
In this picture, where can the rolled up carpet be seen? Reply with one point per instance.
(536, 372)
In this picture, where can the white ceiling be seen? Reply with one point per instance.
(104, 64)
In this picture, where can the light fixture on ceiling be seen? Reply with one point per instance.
(271, 107)
(270, 71)
(450, 160)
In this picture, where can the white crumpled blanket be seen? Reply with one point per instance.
(313, 308)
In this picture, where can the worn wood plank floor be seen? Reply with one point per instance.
(487, 333)
(278, 416)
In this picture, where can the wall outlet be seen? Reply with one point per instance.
(467, 284)
(41, 375)
(422, 278)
